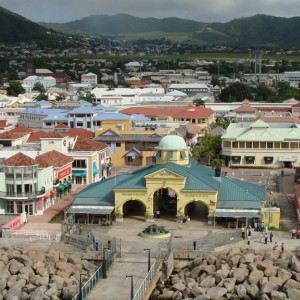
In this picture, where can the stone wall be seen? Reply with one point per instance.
(238, 273)
(39, 273)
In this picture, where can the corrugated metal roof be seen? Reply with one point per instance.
(238, 214)
(90, 210)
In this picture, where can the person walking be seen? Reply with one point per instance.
(275, 247)
(282, 247)
(271, 237)
(195, 245)
(157, 214)
(248, 236)
(293, 233)
(243, 232)
(266, 238)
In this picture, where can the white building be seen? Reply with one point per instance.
(89, 78)
(46, 81)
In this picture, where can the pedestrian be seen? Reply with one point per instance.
(109, 245)
(97, 245)
(262, 237)
(157, 214)
(271, 237)
(266, 238)
(248, 236)
(282, 172)
(243, 232)
(195, 244)
(275, 247)
(293, 233)
(80, 229)
(255, 226)
(282, 247)
(298, 233)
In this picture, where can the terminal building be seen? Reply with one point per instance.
(176, 186)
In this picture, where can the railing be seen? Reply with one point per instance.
(29, 233)
(26, 194)
(39, 238)
(144, 285)
(260, 149)
(93, 280)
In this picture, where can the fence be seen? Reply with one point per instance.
(93, 280)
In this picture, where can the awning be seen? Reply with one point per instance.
(287, 158)
(95, 210)
(95, 169)
(78, 173)
(238, 213)
(61, 187)
(52, 193)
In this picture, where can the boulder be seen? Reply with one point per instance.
(240, 274)
(215, 293)
(229, 284)
(295, 264)
(241, 291)
(255, 276)
(268, 287)
(275, 295)
(293, 294)
(71, 291)
(209, 281)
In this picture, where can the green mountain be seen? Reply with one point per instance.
(14, 28)
(257, 31)
(125, 24)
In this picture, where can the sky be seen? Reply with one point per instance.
(60, 11)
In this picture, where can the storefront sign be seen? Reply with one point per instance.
(14, 224)
(63, 173)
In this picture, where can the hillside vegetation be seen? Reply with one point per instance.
(256, 31)
(14, 28)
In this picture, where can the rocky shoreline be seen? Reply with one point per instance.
(41, 274)
(240, 273)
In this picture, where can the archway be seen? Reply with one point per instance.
(197, 211)
(134, 209)
(165, 201)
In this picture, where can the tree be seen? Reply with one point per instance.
(15, 88)
(215, 81)
(41, 96)
(87, 96)
(235, 92)
(222, 121)
(39, 87)
(199, 102)
(209, 147)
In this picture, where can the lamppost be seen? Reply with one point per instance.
(80, 285)
(104, 262)
(271, 193)
(149, 252)
(131, 286)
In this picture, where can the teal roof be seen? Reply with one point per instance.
(232, 193)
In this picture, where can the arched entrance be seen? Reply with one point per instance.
(197, 211)
(134, 209)
(165, 201)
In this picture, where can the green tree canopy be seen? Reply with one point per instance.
(236, 92)
(41, 96)
(39, 87)
(199, 102)
(15, 88)
(209, 147)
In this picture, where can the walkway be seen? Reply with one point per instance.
(41, 222)
(134, 260)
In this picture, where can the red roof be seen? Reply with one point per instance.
(19, 160)
(84, 144)
(73, 132)
(188, 112)
(55, 135)
(4, 123)
(53, 158)
(7, 135)
(21, 129)
(36, 136)
(61, 126)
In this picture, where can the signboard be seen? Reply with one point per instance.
(14, 224)
(63, 173)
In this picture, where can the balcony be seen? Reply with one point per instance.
(29, 195)
(234, 150)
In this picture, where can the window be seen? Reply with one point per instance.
(79, 163)
(118, 144)
(249, 159)
(170, 155)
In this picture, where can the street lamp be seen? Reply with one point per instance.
(148, 258)
(131, 286)
(271, 193)
(80, 285)
(104, 263)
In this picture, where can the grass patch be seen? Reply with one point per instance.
(58, 218)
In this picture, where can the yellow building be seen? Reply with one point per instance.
(175, 186)
(132, 143)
